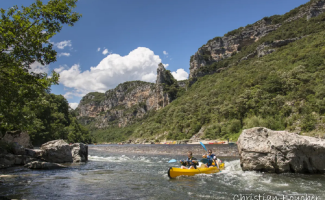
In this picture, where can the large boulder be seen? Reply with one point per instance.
(262, 149)
(79, 152)
(18, 149)
(20, 137)
(57, 151)
(43, 165)
(7, 160)
(34, 153)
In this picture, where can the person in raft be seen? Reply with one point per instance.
(190, 162)
(211, 158)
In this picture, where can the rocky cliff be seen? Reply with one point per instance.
(220, 48)
(128, 102)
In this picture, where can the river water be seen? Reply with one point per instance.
(114, 174)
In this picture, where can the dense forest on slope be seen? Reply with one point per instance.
(282, 90)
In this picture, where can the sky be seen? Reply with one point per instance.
(125, 40)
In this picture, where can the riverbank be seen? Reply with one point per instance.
(219, 150)
(172, 142)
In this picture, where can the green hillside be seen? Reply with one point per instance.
(284, 90)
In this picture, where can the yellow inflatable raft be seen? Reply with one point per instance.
(173, 172)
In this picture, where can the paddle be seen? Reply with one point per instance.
(172, 160)
(207, 151)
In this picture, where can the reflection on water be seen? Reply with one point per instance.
(129, 175)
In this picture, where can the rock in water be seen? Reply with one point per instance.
(262, 149)
(79, 152)
(43, 165)
(6, 160)
(20, 137)
(34, 153)
(57, 151)
(18, 149)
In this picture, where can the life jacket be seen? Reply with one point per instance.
(189, 162)
(210, 159)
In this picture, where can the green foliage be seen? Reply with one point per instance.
(234, 32)
(53, 120)
(26, 102)
(217, 39)
(171, 86)
(9, 147)
(113, 133)
(78, 133)
(283, 90)
(95, 97)
(25, 35)
(192, 58)
(266, 92)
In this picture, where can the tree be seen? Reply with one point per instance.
(51, 121)
(24, 40)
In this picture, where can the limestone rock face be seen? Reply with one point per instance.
(20, 137)
(43, 165)
(262, 149)
(221, 48)
(163, 76)
(79, 152)
(127, 102)
(57, 151)
(224, 47)
(316, 8)
(265, 48)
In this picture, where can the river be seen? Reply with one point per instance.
(114, 174)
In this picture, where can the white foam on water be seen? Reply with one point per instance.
(234, 176)
(144, 159)
(203, 196)
(204, 175)
(109, 158)
(122, 158)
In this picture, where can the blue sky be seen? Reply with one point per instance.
(123, 40)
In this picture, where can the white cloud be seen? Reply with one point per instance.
(63, 44)
(73, 105)
(139, 64)
(151, 77)
(74, 93)
(165, 65)
(106, 52)
(165, 53)
(61, 68)
(37, 67)
(98, 49)
(180, 74)
(64, 54)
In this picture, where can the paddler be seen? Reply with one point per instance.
(211, 157)
(190, 162)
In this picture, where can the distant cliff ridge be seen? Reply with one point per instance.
(268, 74)
(127, 102)
(220, 48)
